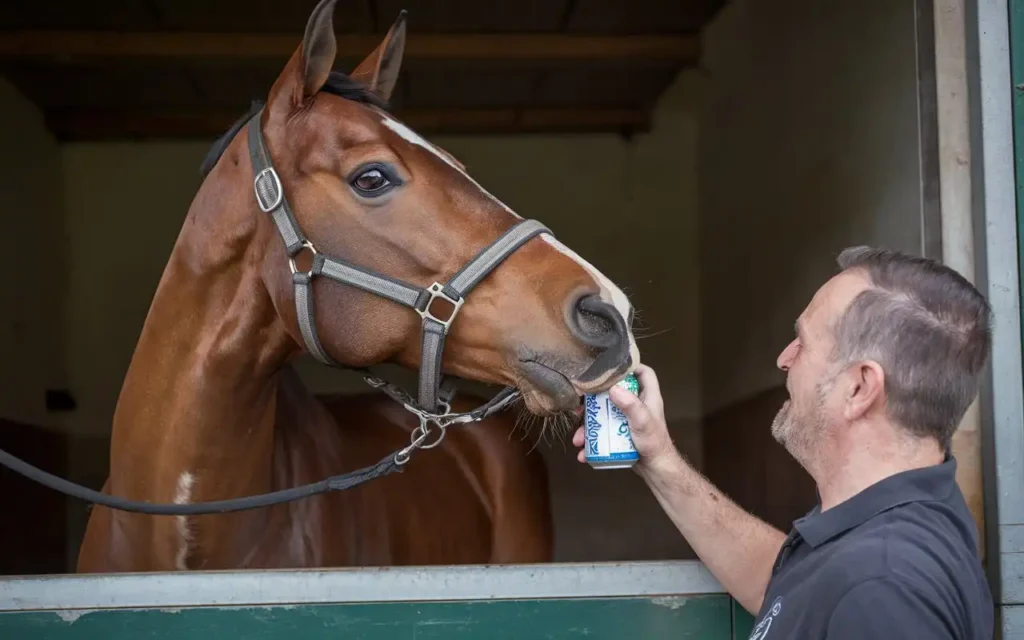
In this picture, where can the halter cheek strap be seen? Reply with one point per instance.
(434, 394)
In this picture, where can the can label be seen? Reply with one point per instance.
(608, 444)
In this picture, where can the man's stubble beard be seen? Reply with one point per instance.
(800, 432)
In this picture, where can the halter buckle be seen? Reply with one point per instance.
(436, 291)
(267, 184)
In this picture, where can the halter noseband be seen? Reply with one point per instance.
(435, 393)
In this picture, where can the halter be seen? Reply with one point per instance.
(435, 393)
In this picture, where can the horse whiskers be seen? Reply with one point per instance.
(557, 426)
(643, 336)
(640, 328)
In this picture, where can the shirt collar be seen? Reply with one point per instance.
(929, 483)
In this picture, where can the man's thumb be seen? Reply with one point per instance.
(635, 410)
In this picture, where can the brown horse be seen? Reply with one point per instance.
(211, 408)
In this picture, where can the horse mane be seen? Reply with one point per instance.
(338, 84)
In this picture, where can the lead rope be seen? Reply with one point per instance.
(392, 463)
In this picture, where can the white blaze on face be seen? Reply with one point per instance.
(411, 136)
(609, 292)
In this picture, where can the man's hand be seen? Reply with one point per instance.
(737, 547)
(646, 415)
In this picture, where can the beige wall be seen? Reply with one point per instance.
(125, 205)
(809, 143)
(33, 263)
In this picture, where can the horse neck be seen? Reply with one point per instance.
(196, 416)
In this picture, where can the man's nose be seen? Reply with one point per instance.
(786, 357)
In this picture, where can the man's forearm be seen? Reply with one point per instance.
(738, 548)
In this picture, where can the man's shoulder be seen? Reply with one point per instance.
(909, 565)
(915, 541)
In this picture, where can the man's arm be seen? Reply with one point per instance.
(738, 548)
(887, 608)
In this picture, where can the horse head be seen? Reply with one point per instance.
(370, 198)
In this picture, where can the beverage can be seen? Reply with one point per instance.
(607, 441)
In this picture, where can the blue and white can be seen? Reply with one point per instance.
(607, 442)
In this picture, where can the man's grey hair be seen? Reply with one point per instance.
(927, 327)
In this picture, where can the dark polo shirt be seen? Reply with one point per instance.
(898, 560)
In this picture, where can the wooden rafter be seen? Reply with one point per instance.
(104, 124)
(63, 44)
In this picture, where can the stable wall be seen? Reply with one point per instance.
(809, 143)
(34, 261)
(32, 289)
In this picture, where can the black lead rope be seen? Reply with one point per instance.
(386, 466)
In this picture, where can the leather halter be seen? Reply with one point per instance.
(435, 395)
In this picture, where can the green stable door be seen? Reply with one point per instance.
(652, 601)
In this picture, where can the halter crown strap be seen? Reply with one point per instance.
(271, 198)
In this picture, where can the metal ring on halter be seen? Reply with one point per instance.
(306, 244)
(422, 429)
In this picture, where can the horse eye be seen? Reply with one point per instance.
(371, 182)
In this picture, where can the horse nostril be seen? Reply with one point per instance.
(602, 328)
(597, 323)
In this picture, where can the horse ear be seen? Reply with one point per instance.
(310, 65)
(379, 71)
(319, 48)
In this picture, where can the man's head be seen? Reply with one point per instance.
(896, 340)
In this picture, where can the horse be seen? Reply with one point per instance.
(211, 406)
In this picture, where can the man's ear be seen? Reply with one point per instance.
(379, 71)
(865, 390)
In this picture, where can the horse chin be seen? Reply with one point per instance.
(546, 390)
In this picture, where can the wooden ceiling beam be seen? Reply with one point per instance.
(116, 124)
(65, 44)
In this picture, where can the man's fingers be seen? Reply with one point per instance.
(635, 410)
(650, 390)
(577, 438)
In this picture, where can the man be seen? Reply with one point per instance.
(885, 362)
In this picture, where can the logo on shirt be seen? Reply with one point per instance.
(760, 632)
